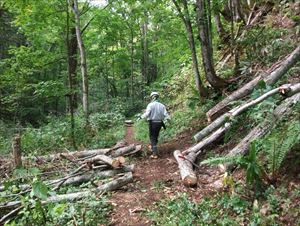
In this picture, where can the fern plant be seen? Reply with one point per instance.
(250, 163)
(277, 145)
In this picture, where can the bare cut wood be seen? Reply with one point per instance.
(285, 108)
(16, 150)
(129, 150)
(110, 186)
(286, 90)
(270, 79)
(114, 162)
(185, 166)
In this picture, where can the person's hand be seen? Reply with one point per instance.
(168, 122)
(139, 117)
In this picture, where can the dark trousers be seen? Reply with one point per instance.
(154, 129)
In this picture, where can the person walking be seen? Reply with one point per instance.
(155, 114)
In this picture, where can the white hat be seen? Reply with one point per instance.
(154, 94)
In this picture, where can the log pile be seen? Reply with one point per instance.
(221, 117)
(106, 169)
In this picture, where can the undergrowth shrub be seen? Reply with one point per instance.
(275, 207)
(278, 143)
(55, 135)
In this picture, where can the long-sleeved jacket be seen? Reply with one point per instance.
(156, 111)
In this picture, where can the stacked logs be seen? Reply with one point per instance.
(91, 166)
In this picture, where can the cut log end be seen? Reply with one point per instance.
(190, 181)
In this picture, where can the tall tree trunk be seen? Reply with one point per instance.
(219, 25)
(145, 52)
(83, 66)
(131, 63)
(72, 65)
(203, 22)
(189, 29)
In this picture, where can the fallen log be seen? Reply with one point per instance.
(122, 151)
(76, 180)
(197, 149)
(110, 186)
(270, 79)
(286, 90)
(70, 155)
(185, 164)
(129, 150)
(113, 162)
(79, 179)
(284, 109)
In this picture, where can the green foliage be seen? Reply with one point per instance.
(252, 166)
(87, 212)
(277, 144)
(249, 162)
(55, 134)
(221, 160)
(273, 208)
(177, 211)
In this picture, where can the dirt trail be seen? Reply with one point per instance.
(154, 179)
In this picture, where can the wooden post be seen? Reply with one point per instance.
(16, 150)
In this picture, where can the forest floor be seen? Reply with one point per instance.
(156, 179)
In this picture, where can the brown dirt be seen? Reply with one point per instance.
(156, 179)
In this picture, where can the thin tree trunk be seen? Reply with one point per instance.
(219, 25)
(83, 66)
(203, 22)
(188, 26)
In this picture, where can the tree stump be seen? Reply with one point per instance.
(16, 151)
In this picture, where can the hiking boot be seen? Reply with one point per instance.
(154, 156)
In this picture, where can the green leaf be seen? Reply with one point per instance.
(262, 84)
(40, 190)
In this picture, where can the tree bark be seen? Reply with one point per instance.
(85, 87)
(270, 79)
(203, 22)
(219, 25)
(284, 109)
(185, 17)
(185, 166)
(72, 66)
(131, 149)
